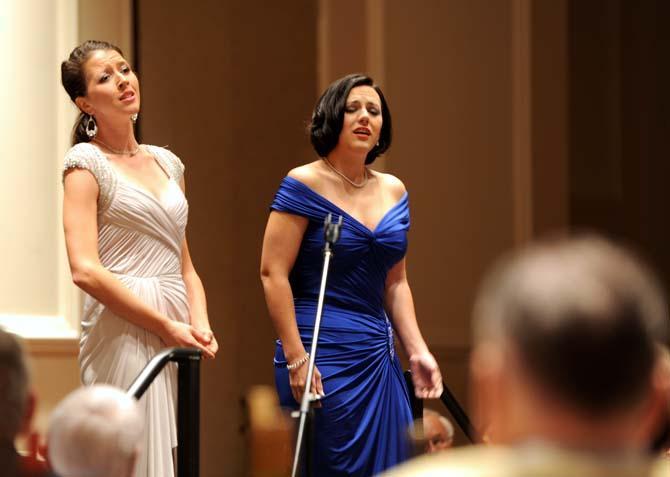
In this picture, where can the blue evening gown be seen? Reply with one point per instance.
(362, 426)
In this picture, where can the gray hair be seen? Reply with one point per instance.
(96, 431)
(446, 423)
(14, 379)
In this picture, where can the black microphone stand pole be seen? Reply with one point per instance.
(331, 233)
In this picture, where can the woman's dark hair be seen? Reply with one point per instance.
(73, 78)
(328, 116)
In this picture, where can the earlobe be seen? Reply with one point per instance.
(658, 409)
(84, 105)
(654, 414)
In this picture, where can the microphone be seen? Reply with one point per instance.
(331, 231)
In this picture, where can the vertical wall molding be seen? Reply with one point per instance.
(521, 121)
(349, 43)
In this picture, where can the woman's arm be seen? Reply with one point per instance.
(81, 240)
(281, 243)
(197, 302)
(195, 293)
(400, 306)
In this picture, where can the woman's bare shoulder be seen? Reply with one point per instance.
(308, 174)
(391, 184)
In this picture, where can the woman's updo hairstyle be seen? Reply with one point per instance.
(328, 116)
(73, 78)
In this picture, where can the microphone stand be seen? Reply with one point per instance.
(331, 231)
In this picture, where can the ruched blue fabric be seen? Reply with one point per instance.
(362, 426)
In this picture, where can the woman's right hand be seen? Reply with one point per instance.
(297, 378)
(183, 335)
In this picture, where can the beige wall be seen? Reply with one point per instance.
(32, 36)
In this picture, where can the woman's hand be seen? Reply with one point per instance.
(185, 336)
(425, 375)
(210, 339)
(297, 378)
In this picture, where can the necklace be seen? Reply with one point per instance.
(129, 152)
(357, 185)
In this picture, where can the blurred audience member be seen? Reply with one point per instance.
(438, 431)
(433, 433)
(566, 367)
(17, 404)
(95, 431)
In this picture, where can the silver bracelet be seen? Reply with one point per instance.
(297, 364)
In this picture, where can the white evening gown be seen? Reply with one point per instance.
(139, 240)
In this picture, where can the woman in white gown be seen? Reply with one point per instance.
(124, 215)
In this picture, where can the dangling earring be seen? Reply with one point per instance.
(91, 127)
(377, 143)
(133, 118)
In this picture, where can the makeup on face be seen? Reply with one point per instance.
(363, 118)
(112, 84)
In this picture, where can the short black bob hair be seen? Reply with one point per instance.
(328, 116)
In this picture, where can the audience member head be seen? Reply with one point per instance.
(16, 399)
(96, 430)
(566, 347)
(438, 432)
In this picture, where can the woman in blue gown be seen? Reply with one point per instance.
(361, 428)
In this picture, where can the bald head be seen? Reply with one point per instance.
(437, 430)
(96, 430)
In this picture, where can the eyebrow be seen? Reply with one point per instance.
(117, 63)
(100, 69)
(367, 102)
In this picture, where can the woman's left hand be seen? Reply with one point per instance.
(210, 340)
(426, 375)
